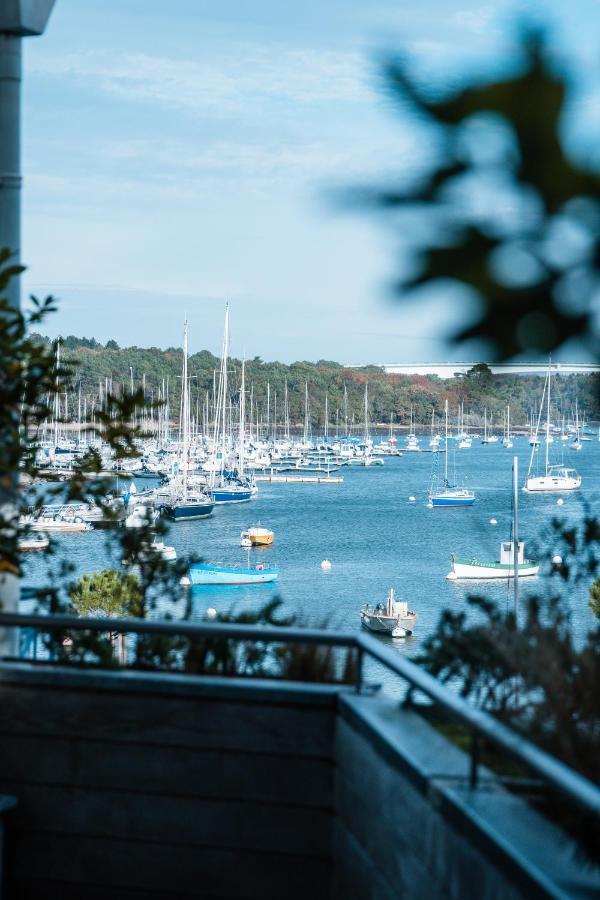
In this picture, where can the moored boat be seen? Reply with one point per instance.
(190, 506)
(201, 573)
(39, 541)
(393, 618)
(449, 495)
(556, 478)
(258, 536)
(473, 568)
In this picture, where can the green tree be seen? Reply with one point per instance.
(594, 600)
(107, 593)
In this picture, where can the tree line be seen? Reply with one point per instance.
(391, 398)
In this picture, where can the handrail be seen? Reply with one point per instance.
(561, 776)
(267, 633)
(578, 788)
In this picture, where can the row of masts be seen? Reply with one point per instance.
(268, 418)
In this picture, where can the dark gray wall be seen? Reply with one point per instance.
(171, 786)
(147, 786)
(408, 825)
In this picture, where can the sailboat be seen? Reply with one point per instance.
(450, 495)
(507, 566)
(186, 502)
(484, 439)
(576, 443)
(412, 441)
(435, 439)
(556, 478)
(231, 487)
(506, 440)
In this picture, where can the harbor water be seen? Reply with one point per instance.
(375, 537)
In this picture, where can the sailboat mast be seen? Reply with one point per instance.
(446, 453)
(326, 425)
(242, 417)
(515, 535)
(56, 395)
(185, 411)
(224, 397)
(305, 412)
(548, 417)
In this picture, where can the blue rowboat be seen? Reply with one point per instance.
(205, 574)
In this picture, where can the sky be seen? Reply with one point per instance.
(177, 155)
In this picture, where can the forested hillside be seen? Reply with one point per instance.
(390, 396)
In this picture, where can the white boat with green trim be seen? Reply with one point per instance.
(465, 567)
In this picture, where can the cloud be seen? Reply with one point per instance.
(273, 75)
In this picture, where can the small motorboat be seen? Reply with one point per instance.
(393, 618)
(39, 541)
(258, 537)
(141, 516)
(55, 523)
(201, 573)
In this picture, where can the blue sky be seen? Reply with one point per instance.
(179, 154)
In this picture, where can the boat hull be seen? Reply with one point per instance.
(180, 512)
(229, 495)
(222, 575)
(395, 626)
(473, 569)
(547, 484)
(449, 500)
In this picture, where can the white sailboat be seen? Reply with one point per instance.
(186, 502)
(556, 478)
(450, 495)
(506, 440)
(576, 444)
(226, 487)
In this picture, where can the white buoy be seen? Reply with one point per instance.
(560, 501)
(557, 560)
(185, 581)
(412, 499)
(211, 613)
(493, 521)
(325, 565)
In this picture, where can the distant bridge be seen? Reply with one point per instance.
(450, 369)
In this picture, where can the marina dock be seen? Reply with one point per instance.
(300, 479)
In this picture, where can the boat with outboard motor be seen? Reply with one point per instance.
(393, 618)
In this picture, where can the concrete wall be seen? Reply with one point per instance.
(146, 786)
(152, 786)
(408, 825)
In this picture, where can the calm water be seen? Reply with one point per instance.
(374, 536)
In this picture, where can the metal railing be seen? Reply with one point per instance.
(481, 725)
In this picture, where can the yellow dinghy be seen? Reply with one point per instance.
(257, 537)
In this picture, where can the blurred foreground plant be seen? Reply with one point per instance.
(31, 382)
(504, 210)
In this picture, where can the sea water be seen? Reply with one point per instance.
(376, 538)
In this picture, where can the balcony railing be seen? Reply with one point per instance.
(481, 725)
